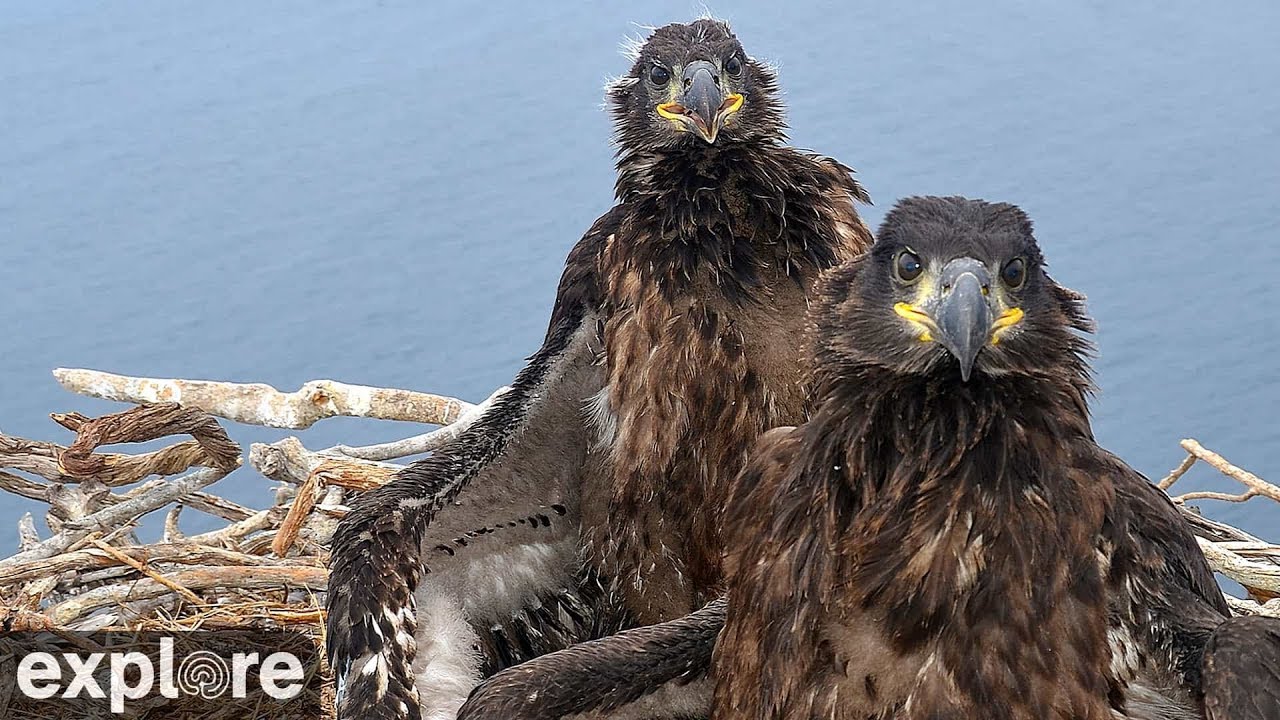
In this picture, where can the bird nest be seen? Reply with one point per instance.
(258, 581)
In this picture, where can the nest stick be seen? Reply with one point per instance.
(259, 404)
(1256, 485)
(116, 515)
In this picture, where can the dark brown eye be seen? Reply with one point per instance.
(733, 65)
(908, 266)
(1014, 273)
(659, 75)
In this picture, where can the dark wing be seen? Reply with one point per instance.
(1242, 670)
(655, 672)
(1158, 526)
(519, 463)
(1161, 571)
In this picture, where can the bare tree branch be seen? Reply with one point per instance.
(205, 578)
(419, 444)
(1256, 484)
(258, 404)
(114, 516)
(1257, 577)
(1177, 472)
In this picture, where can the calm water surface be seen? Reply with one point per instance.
(384, 192)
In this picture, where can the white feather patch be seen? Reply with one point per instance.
(600, 416)
(447, 665)
(453, 601)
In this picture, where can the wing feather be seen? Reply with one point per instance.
(651, 670)
(518, 464)
(1242, 670)
(1164, 589)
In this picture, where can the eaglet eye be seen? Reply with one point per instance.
(908, 266)
(659, 75)
(1014, 273)
(733, 65)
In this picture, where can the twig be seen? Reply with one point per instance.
(356, 475)
(1271, 608)
(33, 456)
(231, 534)
(140, 424)
(1252, 574)
(1210, 495)
(19, 485)
(172, 533)
(1177, 472)
(426, 442)
(1214, 530)
(1219, 463)
(179, 553)
(142, 568)
(302, 506)
(218, 506)
(205, 578)
(259, 404)
(115, 516)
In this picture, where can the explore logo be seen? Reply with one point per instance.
(246, 674)
(42, 675)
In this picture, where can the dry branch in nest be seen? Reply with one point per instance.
(1250, 561)
(262, 569)
(266, 568)
(258, 404)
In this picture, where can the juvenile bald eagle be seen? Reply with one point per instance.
(671, 347)
(944, 538)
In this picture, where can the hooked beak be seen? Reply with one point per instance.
(964, 315)
(961, 313)
(702, 104)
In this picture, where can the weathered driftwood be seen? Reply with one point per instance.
(258, 404)
(264, 568)
(419, 444)
(267, 567)
(1250, 561)
(115, 516)
(267, 578)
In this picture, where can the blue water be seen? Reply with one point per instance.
(384, 192)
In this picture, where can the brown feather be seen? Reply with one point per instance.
(925, 547)
(674, 332)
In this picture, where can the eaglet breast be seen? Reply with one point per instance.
(692, 381)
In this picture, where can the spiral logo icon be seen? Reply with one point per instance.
(203, 673)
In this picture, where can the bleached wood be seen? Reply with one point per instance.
(28, 537)
(116, 515)
(1250, 573)
(259, 404)
(198, 579)
(1255, 484)
(230, 535)
(424, 443)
